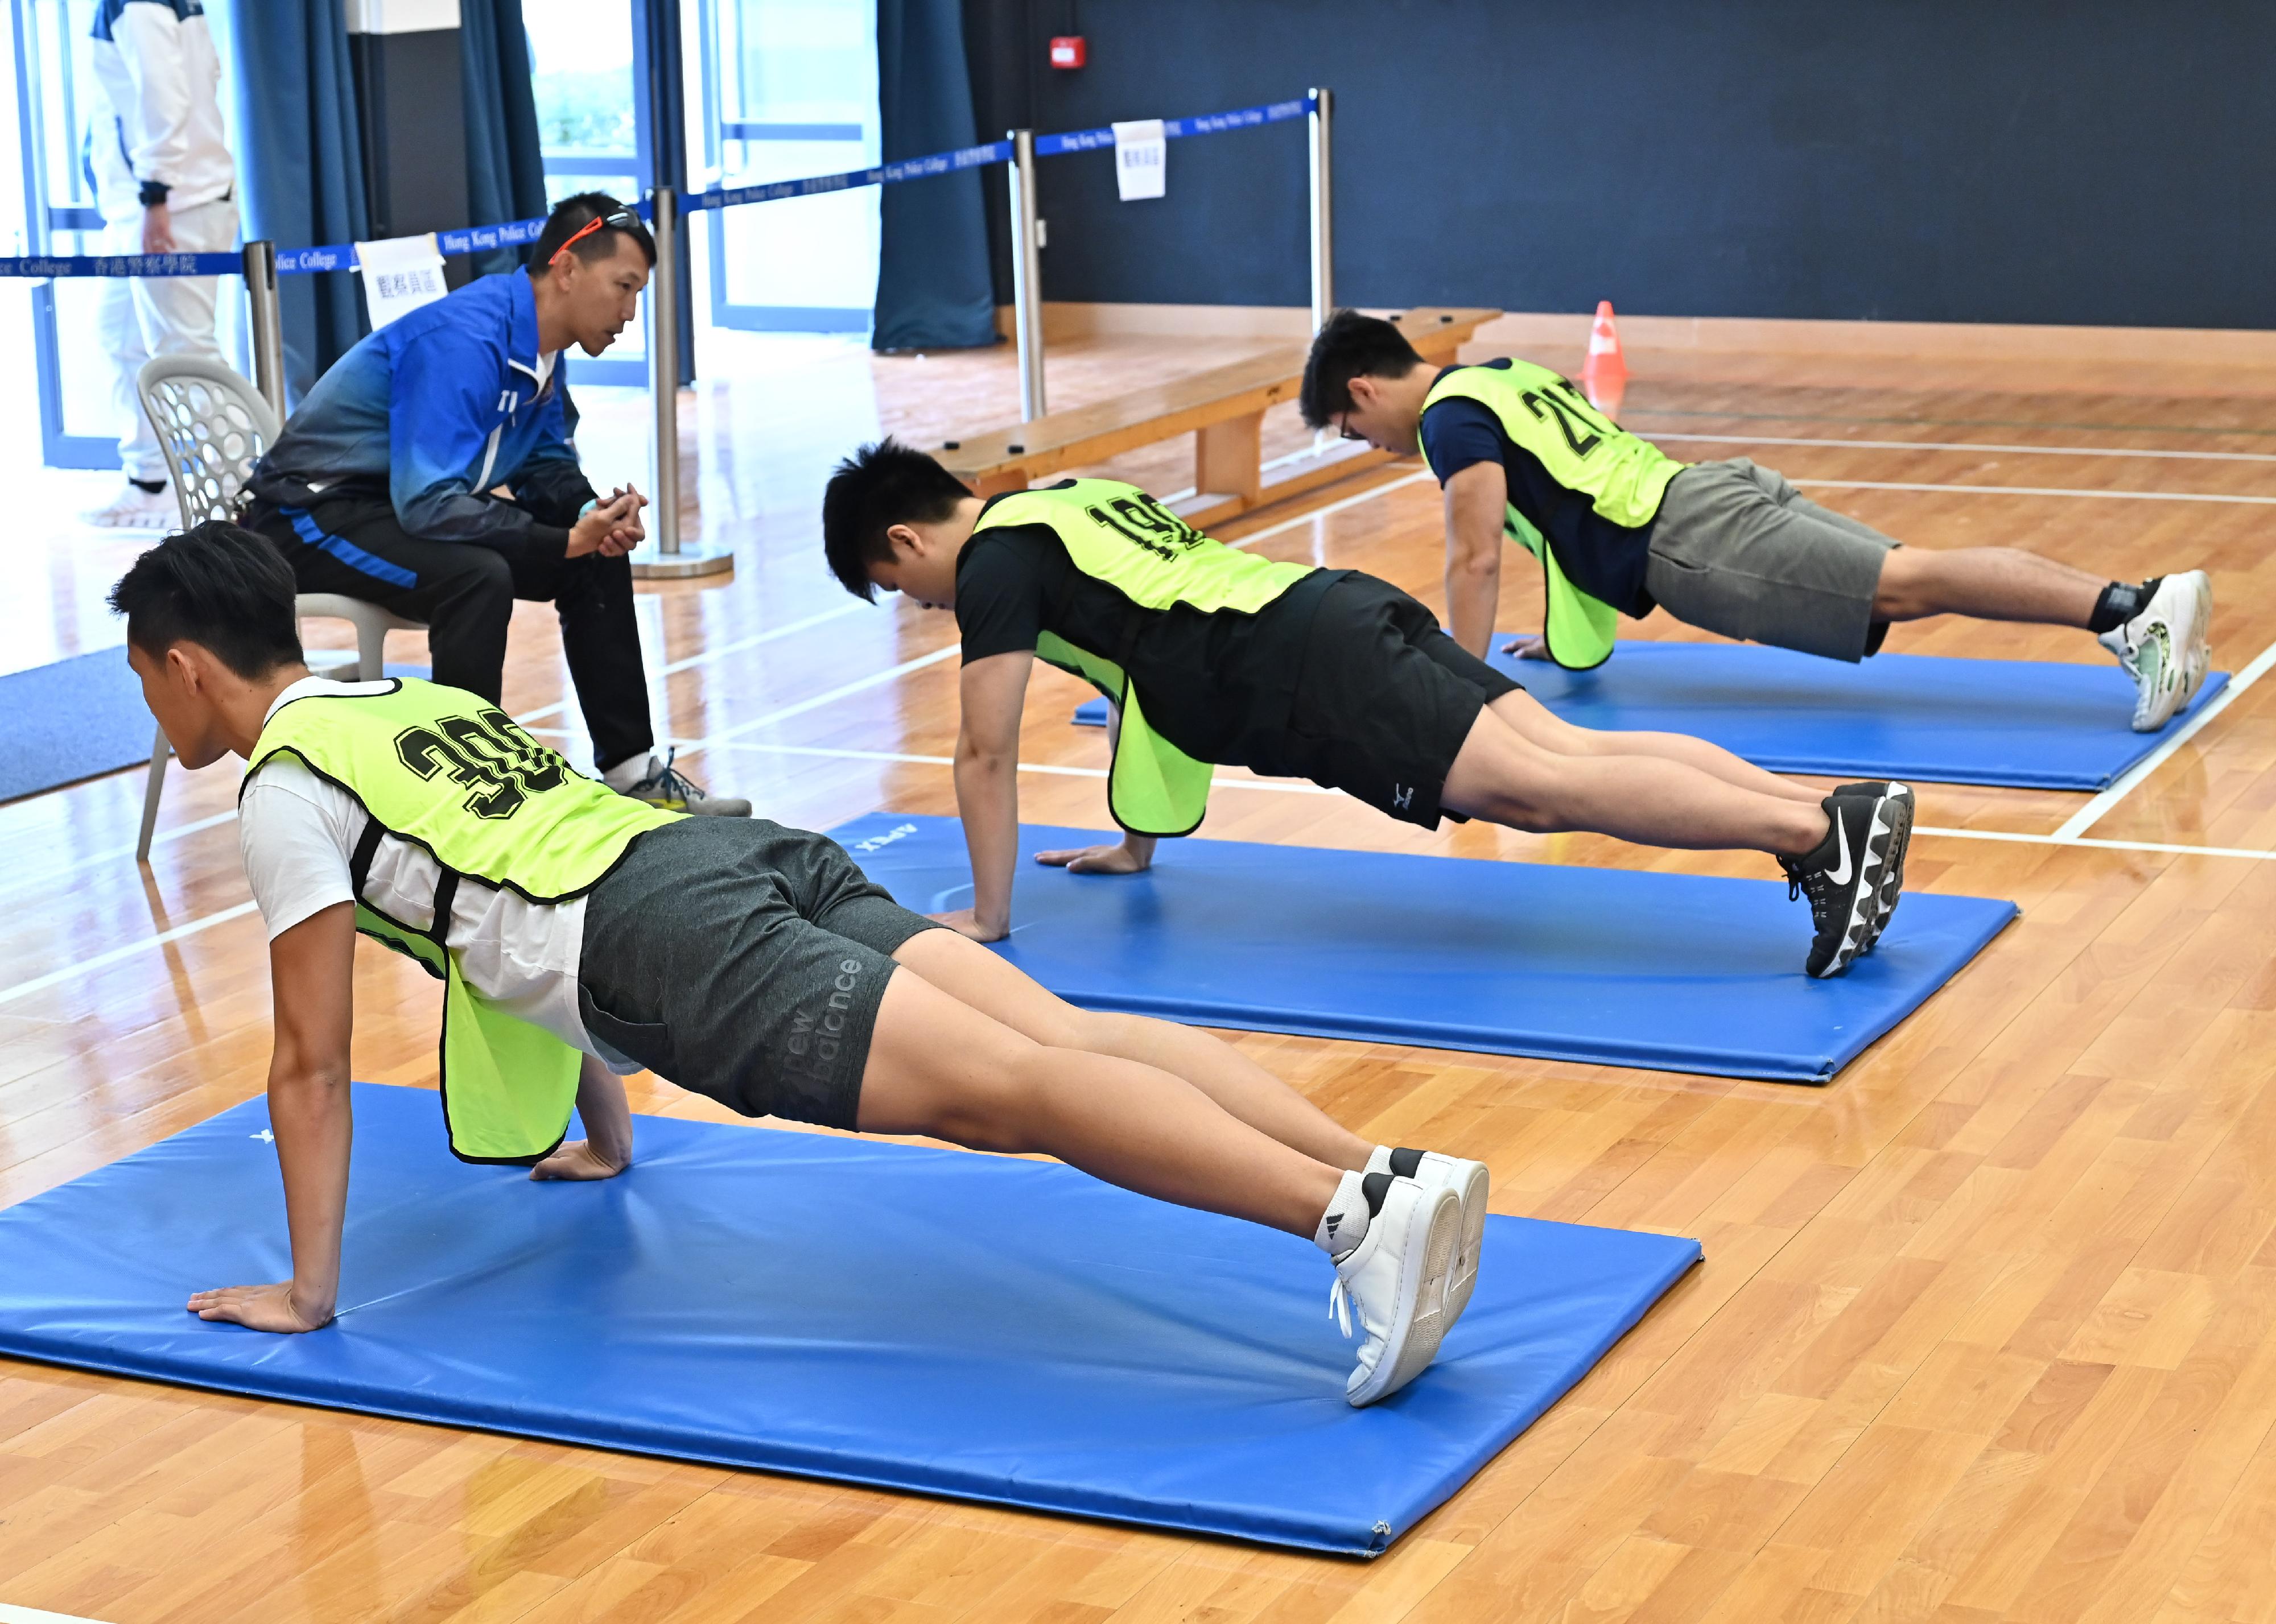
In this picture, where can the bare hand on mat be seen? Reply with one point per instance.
(258, 1308)
(966, 922)
(1116, 859)
(578, 1162)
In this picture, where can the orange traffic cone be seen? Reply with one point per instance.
(1604, 374)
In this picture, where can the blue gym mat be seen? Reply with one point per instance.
(75, 718)
(1673, 972)
(2025, 723)
(79, 718)
(978, 1326)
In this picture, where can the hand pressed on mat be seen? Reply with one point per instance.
(260, 1308)
(1133, 856)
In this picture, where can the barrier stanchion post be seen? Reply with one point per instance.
(267, 322)
(1026, 277)
(1324, 208)
(663, 556)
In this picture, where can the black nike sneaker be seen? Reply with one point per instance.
(1847, 878)
(1892, 881)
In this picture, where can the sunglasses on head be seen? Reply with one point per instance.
(621, 220)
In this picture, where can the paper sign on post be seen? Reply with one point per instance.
(399, 275)
(1140, 149)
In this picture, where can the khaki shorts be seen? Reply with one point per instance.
(1737, 550)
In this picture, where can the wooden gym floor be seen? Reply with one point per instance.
(1983, 1329)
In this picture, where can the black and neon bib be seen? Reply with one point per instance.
(1124, 539)
(444, 770)
(1624, 478)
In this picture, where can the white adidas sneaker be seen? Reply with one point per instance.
(1470, 1182)
(1396, 1279)
(2165, 648)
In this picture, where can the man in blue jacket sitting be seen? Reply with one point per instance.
(430, 472)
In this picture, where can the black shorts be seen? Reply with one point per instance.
(1383, 701)
(744, 961)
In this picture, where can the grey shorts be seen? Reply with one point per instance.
(744, 961)
(1739, 551)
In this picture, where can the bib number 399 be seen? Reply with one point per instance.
(499, 764)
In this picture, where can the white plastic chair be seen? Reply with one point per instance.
(213, 427)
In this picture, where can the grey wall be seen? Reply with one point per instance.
(1999, 160)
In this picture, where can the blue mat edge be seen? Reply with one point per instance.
(1246, 1524)
(1092, 713)
(1637, 1057)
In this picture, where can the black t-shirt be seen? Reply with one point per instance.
(1602, 559)
(1217, 686)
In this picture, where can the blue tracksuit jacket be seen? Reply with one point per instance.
(436, 408)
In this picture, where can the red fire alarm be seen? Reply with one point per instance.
(1067, 51)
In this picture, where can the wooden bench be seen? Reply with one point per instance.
(1222, 409)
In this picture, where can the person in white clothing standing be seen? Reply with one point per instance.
(166, 184)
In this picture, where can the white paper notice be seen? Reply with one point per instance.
(1139, 150)
(399, 275)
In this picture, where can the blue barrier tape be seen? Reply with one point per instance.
(513, 233)
(123, 265)
(1205, 124)
(906, 168)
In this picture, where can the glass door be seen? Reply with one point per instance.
(790, 89)
(587, 69)
(54, 87)
(58, 111)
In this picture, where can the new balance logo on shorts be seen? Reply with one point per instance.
(816, 1042)
(1402, 798)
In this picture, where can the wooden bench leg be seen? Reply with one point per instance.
(996, 484)
(1228, 458)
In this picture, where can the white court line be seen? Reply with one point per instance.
(2087, 815)
(71, 972)
(1969, 445)
(2032, 490)
(2097, 845)
(33, 1615)
(789, 628)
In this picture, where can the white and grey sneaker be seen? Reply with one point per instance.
(666, 787)
(1395, 1279)
(2165, 648)
(1471, 1184)
(135, 509)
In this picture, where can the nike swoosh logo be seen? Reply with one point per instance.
(1839, 873)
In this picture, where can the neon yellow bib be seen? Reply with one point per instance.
(442, 769)
(1117, 534)
(1624, 478)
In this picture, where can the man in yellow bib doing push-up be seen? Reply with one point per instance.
(580, 934)
(1621, 528)
(1214, 655)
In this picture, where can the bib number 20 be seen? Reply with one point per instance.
(1584, 431)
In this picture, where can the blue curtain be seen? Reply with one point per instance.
(505, 173)
(301, 159)
(934, 291)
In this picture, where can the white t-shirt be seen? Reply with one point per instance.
(298, 834)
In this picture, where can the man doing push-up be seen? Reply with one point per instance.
(579, 933)
(1621, 528)
(1214, 655)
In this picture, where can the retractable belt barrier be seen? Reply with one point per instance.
(515, 233)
